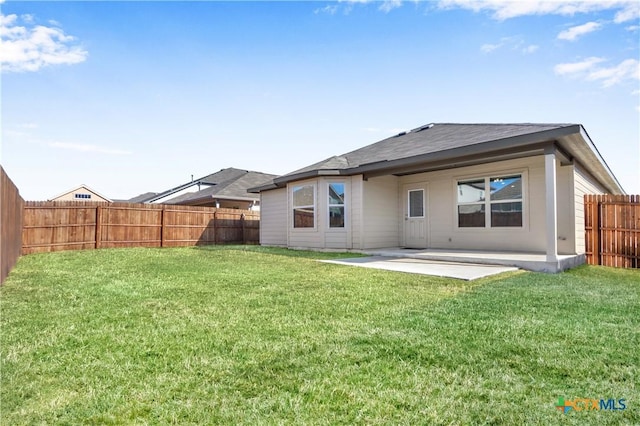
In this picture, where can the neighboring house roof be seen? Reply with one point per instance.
(83, 187)
(229, 183)
(445, 145)
(142, 197)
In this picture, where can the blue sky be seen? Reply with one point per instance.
(130, 97)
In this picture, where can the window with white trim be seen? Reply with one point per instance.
(304, 206)
(336, 205)
(490, 202)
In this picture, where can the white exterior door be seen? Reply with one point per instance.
(415, 216)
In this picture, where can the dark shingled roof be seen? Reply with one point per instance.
(228, 185)
(427, 139)
(447, 145)
(236, 180)
(142, 197)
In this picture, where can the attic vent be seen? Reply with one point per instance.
(419, 129)
(401, 134)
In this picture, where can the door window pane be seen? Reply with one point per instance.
(416, 203)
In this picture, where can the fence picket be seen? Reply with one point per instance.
(75, 225)
(612, 230)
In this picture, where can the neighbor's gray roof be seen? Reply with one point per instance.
(220, 179)
(440, 142)
(142, 197)
(232, 184)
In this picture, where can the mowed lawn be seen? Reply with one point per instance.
(251, 335)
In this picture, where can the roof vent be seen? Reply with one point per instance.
(401, 134)
(419, 129)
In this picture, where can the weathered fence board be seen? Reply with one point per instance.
(612, 230)
(11, 204)
(52, 226)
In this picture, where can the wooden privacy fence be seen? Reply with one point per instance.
(10, 224)
(53, 226)
(612, 230)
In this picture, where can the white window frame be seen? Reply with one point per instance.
(314, 206)
(343, 205)
(488, 202)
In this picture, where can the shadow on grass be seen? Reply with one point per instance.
(278, 251)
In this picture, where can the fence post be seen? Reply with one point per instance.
(598, 223)
(215, 227)
(98, 226)
(244, 239)
(162, 225)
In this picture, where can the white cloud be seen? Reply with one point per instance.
(347, 6)
(488, 48)
(35, 47)
(590, 70)
(388, 5)
(330, 9)
(577, 67)
(633, 28)
(506, 9)
(629, 13)
(574, 32)
(512, 43)
(88, 148)
(628, 69)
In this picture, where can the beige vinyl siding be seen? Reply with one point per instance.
(357, 212)
(381, 212)
(273, 217)
(71, 196)
(442, 207)
(565, 206)
(583, 183)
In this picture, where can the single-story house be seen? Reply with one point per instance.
(491, 187)
(81, 193)
(226, 188)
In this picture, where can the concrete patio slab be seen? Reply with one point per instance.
(528, 261)
(462, 271)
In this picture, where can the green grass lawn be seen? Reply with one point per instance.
(250, 335)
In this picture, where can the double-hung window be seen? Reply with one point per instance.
(490, 202)
(304, 206)
(506, 201)
(336, 205)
